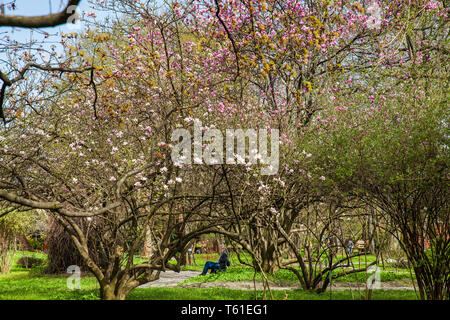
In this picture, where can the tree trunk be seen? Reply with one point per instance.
(267, 261)
(430, 289)
(148, 244)
(109, 292)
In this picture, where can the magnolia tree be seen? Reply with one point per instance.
(133, 131)
(101, 153)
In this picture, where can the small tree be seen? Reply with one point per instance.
(12, 225)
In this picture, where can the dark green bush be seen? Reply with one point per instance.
(29, 262)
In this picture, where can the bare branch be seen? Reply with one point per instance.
(49, 20)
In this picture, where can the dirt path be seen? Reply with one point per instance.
(171, 279)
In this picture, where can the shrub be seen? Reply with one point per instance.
(62, 253)
(29, 262)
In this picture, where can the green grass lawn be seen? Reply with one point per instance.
(240, 273)
(24, 285)
(34, 284)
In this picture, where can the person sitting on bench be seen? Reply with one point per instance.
(220, 265)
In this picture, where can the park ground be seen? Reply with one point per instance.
(237, 283)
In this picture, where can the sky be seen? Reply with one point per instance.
(43, 7)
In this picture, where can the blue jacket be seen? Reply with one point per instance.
(223, 261)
